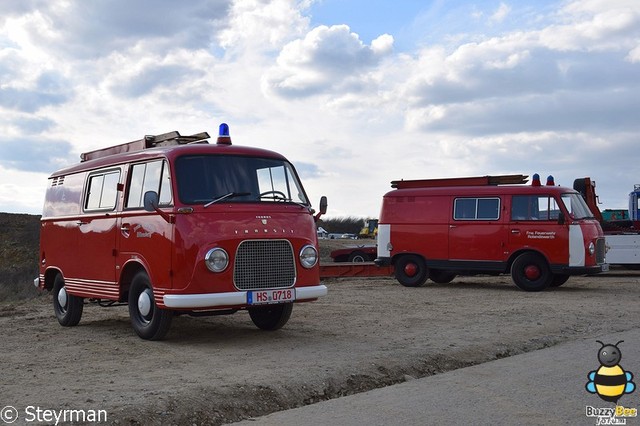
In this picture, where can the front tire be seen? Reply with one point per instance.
(148, 321)
(271, 317)
(411, 271)
(531, 272)
(68, 308)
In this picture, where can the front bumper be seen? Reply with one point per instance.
(580, 270)
(236, 298)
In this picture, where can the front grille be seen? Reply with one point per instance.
(264, 264)
(600, 250)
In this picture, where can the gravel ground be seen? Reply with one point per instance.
(365, 334)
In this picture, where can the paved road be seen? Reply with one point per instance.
(545, 387)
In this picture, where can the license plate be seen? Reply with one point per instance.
(261, 297)
(605, 267)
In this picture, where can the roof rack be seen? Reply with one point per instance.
(463, 181)
(149, 141)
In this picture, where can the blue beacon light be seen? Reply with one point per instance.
(223, 135)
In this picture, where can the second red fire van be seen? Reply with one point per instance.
(439, 228)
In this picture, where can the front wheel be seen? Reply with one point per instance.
(411, 271)
(271, 317)
(531, 272)
(148, 321)
(68, 308)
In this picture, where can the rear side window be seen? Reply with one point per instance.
(476, 209)
(151, 176)
(102, 191)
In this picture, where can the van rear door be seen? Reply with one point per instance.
(97, 236)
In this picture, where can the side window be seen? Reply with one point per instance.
(534, 207)
(102, 191)
(152, 176)
(476, 209)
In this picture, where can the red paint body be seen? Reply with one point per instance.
(421, 219)
(98, 251)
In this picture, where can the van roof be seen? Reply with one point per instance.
(170, 153)
(474, 191)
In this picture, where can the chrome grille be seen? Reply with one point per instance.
(264, 264)
(600, 250)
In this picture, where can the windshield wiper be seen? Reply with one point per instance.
(224, 197)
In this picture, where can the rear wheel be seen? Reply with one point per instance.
(441, 277)
(411, 271)
(271, 317)
(148, 321)
(531, 272)
(558, 280)
(68, 308)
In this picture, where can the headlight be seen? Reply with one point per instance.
(592, 248)
(216, 259)
(308, 256)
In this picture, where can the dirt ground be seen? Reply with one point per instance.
(366, 333)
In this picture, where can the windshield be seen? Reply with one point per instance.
(202, 179)
(576, 206)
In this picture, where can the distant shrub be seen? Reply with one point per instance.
(342, 225)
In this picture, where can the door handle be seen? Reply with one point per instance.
(515, 231)
(80, 223)
(125, 227)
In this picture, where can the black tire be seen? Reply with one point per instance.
(358, 256)
(441, 277)
(148, 321)
(531, 272)
(271, 317)
(558, 280)
(68, 308)
(411, 271)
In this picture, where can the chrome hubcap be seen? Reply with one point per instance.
(62, 297)
(144, 303)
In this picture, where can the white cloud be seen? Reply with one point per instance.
(326, 60)
(501, 13)
(258, 24)
(634, 55)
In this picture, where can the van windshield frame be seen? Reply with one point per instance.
(576, 206)
(203, 178)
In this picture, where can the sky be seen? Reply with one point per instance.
(354, 93)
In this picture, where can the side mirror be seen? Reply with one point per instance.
(323, 208)
(150, 201)
(323, 204)
(561, 218)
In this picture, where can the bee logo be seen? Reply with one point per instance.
(610, 381)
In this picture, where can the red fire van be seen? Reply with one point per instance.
(171, 224)
(440, 228)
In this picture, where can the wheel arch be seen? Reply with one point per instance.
(129, 271)
(517, 253)
(395, 257)
(50, 276)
